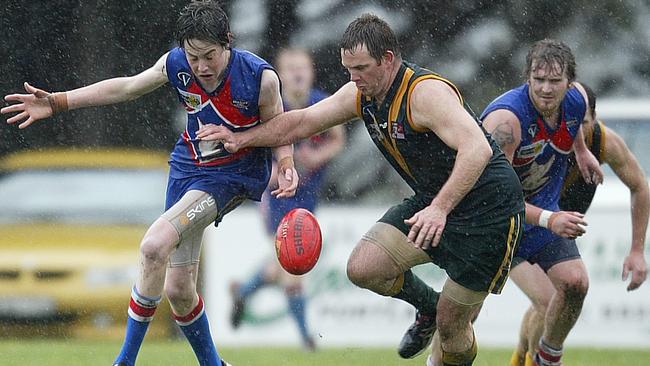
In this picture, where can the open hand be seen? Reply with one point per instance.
(635, 264)
(287, 183)
(589, 167)
(29, 107)
(426, 227)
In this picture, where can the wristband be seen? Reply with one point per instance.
(58, 102)
(544, 217)
(285, 163)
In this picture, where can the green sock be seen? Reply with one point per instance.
(417, 293)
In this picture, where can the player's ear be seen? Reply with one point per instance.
(388, 56)
(230, 36)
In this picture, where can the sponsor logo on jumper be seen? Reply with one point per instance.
(373, 128)
(397, 130)
(184, 77)
(191, 100)
(241, 104)
(536, 177)
(531, 150)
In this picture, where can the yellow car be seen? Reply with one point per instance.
(70, 226)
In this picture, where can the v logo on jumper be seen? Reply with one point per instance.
(184, 77)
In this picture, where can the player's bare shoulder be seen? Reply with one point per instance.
(433, 103)
(434, 89)
(505, 128)
(269, 84)
(270, 100)
(160, 66)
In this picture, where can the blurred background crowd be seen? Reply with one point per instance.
(480, 45)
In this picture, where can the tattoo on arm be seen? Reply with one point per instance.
(503, 134)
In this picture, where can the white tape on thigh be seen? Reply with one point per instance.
(462, 295)
(396, 245)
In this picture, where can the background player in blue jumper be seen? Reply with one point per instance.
(216, 84)
(538, 125)
(577, 195)
(296, 69)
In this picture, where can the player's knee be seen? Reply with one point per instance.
(575, 286)
(446, 325)
(540, 307)
(453, 318)
(154, 249)
(370, 267)
(356, 272)
(181, 297)
(576, 291)
(365, 277)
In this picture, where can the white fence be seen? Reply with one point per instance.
(340, 314)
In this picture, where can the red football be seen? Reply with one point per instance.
(298, 241)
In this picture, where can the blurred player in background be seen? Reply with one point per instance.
(537, 125)
(296, 69)
(466, 212)
(216, 84)
(577, 195)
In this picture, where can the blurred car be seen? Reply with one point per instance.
(70, 226)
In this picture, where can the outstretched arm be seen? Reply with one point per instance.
(505, 128)
(39, 104)
(291, 126)
(627, 168)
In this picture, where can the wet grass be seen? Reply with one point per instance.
(54, 352)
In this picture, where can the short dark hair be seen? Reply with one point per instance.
(592, 99)
(203, 20)
(372, 31)
(548, 52)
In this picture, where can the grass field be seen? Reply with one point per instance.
(155, 353)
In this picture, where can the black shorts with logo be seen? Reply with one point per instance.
(477, 255)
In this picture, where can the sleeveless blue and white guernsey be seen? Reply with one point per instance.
(540, 160)
(206, 165)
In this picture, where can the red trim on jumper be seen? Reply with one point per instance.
(141, 310)
(190, 146)
(189, 317)
(226, 107)
(549, 357)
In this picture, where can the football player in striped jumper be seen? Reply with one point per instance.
(576, 195)
(467, 209)
(538, 125)
(215, 84)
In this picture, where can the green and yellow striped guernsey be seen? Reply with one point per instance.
(422, 159)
